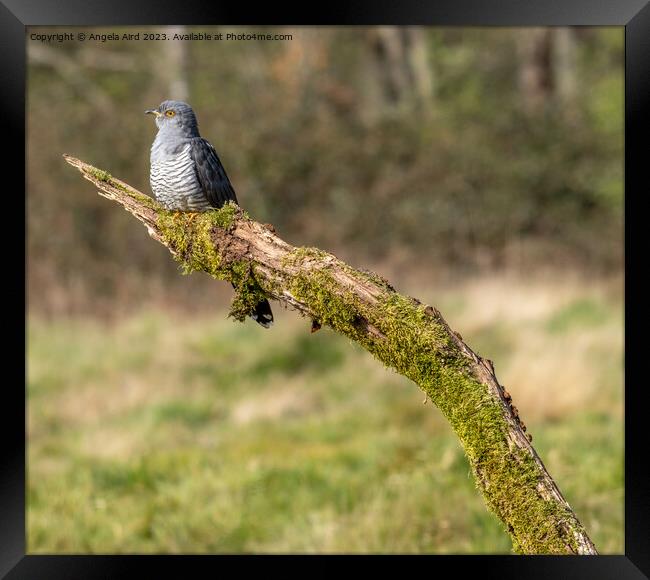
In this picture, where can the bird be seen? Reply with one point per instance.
(186, 173)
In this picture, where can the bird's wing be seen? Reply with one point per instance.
(211, 174)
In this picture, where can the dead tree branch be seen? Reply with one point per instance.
(400, 331)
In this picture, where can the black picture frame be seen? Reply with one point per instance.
(15, 15)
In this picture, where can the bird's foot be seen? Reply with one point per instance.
(191, 216)
(177, 218)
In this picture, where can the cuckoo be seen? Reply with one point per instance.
(187, 175)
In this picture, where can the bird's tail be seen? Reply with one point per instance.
(262, 314)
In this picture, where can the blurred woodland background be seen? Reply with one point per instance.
(478, 169)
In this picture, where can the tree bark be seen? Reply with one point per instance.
(400, 76)
(565, 66)
(535, 68)
(400, 331)
(172, 64)
(419, 67)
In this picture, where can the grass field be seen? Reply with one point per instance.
(166, 433)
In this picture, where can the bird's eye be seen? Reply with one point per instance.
(170, 113)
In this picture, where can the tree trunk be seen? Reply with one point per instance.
(400, 331)
(535, 68)
(399, 69)
(419, 66)
(172, 64)
(564, 68)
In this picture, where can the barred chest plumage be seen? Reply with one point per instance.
(173, 179)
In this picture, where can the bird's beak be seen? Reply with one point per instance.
(153, 112)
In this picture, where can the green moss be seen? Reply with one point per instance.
(300, 255)
(190, 235)
(106, 177)
(248, 294)
(100, 174)
(412, 339)
(415, 343)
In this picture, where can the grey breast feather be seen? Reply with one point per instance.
(173, 178)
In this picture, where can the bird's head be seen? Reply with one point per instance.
(176, 117)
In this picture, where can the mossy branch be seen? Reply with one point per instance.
(400, 331)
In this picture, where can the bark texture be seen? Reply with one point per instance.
(404, 334)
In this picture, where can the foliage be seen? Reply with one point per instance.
(470, 178)
(169, 434)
